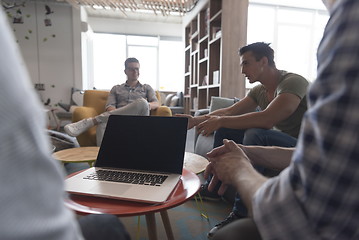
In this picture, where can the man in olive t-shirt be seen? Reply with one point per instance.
(270, 114)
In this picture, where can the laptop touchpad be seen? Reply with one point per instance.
(109, 189)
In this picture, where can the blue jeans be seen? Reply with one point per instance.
(252, 136)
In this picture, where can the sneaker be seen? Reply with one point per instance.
(231, 217)
(75, 129)
(207, 195)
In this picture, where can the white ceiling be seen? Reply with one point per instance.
(133, 15)
(165, 11)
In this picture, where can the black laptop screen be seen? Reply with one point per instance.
(149, 143)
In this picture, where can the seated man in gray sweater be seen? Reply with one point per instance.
(129, 98)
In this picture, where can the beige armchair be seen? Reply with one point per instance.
(94, 104)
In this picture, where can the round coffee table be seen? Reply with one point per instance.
(77, 155)
(185, 189)
(194, 162)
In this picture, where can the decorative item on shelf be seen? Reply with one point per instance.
(205, 52)
(216, 79)
(205, 81)
(206, 22)
(195, 46)
(195, 103)
(216, 30)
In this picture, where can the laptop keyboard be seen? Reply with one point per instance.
(127, 177)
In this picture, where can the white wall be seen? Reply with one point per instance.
(64, 59)
(50, 53)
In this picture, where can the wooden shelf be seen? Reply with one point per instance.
(213, 35)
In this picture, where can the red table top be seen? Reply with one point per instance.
(187, 187)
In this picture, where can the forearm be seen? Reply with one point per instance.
(247, 182)
(269, 157)
(246, 121)
(198, 119)
(273, 157)
(110, 108)
(220, 112)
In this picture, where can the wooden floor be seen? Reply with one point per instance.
(186, 221)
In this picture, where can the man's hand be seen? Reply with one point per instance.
(211, 124)
(225, 164)
(110, 108)
(230, 164)
(191, 120)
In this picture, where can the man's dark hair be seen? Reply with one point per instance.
(259, 50)
(130, 60)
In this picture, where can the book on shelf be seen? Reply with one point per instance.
(205, 81)
(195, 103)
(206, 22)
(216, 32)
(216, 79)
(205, 52)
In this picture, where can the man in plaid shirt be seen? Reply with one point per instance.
(316, 196)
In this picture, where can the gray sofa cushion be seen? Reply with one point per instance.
(202, 144)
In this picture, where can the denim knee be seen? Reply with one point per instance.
(253, 136)
(227, 133)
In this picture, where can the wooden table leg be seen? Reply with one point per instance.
(151, 226)
(167, 224)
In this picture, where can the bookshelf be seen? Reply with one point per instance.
(213, 34)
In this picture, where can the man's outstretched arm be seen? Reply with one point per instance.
(272, 157)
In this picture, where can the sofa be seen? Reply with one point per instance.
(203, 144)
(94, 102)
(175, 102)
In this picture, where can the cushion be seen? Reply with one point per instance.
(180, 100)
(78, 98)
(220, 102)
(163, 99)
(168, 99)
(174, 101)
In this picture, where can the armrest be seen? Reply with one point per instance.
(82, 113)
(65, 106)
(200, 112)
(162, 111)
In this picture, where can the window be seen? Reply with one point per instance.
(294, 34)
(161, 60)
(109, 55)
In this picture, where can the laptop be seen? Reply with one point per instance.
(140, 159)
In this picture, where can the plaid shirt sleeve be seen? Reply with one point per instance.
(317, 196)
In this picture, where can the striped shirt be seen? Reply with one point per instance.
(317, 196)
(121, 95)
